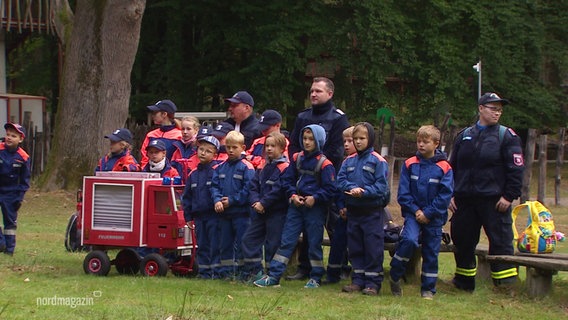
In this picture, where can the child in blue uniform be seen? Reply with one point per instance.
(230, 193)
(198, 206)
(119, 157)
(337, 263)
(424, 194)
(268, 199)
(363, 180)
(309, 190)
(14, 182)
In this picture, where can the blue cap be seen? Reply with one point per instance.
(16, 127)
(489, 97)
(158, 144)
(221, 130)
(242, 97)
(211, 140)
(204, 130)
(121, 134)
(268, 118)
(164, 105)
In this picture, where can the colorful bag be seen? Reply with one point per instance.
(539, 236)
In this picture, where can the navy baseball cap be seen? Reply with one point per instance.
(164, 105)
(241, 97)
(221, 130)
(16, 127)
(121, 134)
(158, 144)
(211, 140)
(268, 118)
(489, 97)
(204, 131)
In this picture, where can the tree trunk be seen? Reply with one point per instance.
(95, 87)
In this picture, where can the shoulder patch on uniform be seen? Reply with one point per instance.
(339, 111)
(410, 161)
(512, 132)
(518, 159)
(378, 156)
(444, 165)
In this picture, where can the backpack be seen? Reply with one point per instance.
(539, 235)
(317, 170)
(502, 130)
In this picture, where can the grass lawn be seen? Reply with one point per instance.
(42, 271)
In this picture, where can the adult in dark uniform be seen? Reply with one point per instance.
(242, 117)
(324, 113)
(487, 161)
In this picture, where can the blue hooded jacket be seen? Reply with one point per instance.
(368, 170)
(426, 184)
(197, 201)
(232, 179)
(306, 183)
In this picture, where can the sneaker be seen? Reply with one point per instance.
(396, 288)
(427, 295)
(312, 284)
(351, 288)
(370, 291)
(267, 281)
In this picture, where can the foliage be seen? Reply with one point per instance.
(414, 57)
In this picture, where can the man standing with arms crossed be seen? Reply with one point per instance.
(324, 113)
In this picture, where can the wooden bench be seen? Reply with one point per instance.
(539, 269)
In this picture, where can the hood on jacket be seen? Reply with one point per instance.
(370, 134)
(319, 136)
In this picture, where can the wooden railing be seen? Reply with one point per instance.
(20, 15)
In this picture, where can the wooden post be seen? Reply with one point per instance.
(529, 160)
(542, 168)
(559, 162)
(392, 132)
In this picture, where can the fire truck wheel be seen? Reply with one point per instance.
(154, 265)
(97, 263)
(127, 261)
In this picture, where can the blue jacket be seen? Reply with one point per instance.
(333, 120)
(367, 170)
(196, 199)
(122, 161)
(485, 166)
(426, 184)
(182, 152)
(14, 172)
(267, 188)
(322, 188)
(248, 128)
(232, 179)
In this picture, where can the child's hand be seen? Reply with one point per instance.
(219, 208)
(343, 213)
(258, 207)
(297, 200)
(309, 201)
(421, 218)
(225, 202)
(355, 192)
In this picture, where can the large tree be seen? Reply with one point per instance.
(100, 39)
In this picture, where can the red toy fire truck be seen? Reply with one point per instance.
(141, 215)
